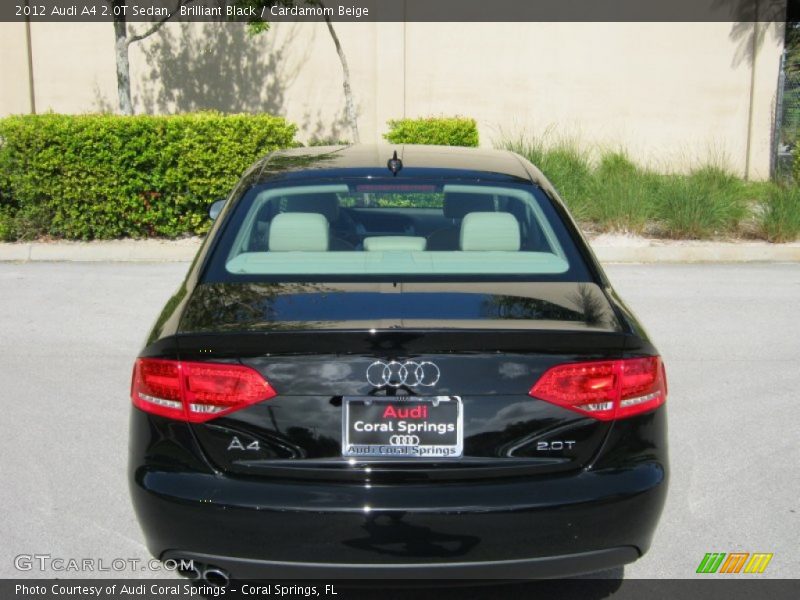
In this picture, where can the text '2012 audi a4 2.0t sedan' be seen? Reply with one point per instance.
(397, 362)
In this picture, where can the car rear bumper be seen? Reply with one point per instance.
(538, 527)
(531, 568)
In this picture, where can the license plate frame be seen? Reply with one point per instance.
(403, 442)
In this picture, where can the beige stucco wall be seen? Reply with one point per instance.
(669, 93)
(73, 66)
(14, 73)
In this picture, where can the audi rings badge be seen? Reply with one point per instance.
(404, 440)
(396, 374)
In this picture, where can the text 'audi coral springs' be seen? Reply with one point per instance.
(397, 362)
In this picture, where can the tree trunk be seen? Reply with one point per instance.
(122, 43)
(350, 107)
(123, 65)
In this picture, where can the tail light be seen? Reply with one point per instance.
(195, 391)
(605, 390)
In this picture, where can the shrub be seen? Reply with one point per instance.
(442, 131)
(705, 203)
(780, 221)
(565, 165)
(107, 176)
(616, 194)
(621, 194)
(794, 172)
(329, 141)
(6, 224)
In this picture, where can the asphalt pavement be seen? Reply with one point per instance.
(729, 334)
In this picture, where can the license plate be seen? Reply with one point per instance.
(403, 427)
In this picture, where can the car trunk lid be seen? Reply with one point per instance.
(318, 346)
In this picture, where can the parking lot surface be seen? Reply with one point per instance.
(729, 334)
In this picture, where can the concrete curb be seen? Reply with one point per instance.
(727, 252)
(638, 251)
(106, 251)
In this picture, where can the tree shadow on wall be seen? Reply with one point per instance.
(220, 66)
(746, 32)
(213, 66)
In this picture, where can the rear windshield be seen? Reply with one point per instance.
(394, 231)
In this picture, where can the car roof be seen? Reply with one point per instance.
(370, 160)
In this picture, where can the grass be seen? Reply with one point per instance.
(618, 189)
(613, 194)
(562, 162)
(780, 221)
(704, 204)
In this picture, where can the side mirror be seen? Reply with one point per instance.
(216, 208)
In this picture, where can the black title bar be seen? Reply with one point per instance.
(394, 10)
(737, 588)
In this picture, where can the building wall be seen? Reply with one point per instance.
(671, 94)
(14, 74)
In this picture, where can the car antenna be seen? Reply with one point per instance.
(394, 164)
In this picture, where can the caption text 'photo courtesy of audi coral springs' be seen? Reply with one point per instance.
(397, 361)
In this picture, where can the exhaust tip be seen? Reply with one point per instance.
(216, 577)
(190, 570)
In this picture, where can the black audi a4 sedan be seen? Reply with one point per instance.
(397, 362)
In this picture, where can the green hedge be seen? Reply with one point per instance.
(443, 131)
(107, 176)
